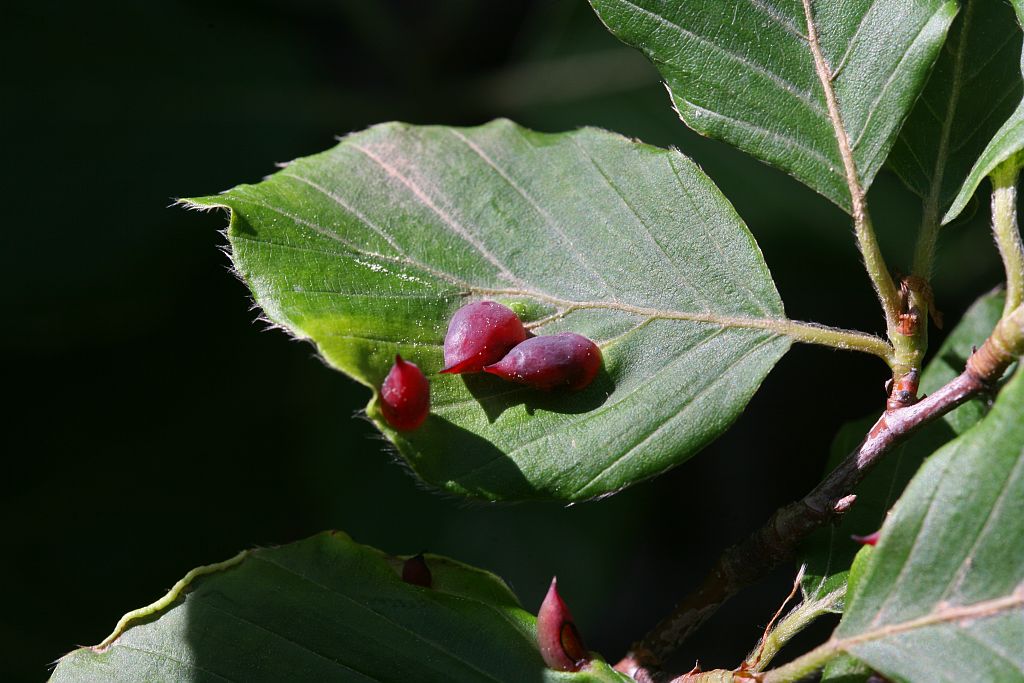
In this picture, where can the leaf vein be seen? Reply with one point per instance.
(804, 96)
(683, 411)
(367, 608)
(281, 636)
(643, 224)
(423, 198)
(535, 206)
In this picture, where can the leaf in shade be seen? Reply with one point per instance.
(369, 248)
(829, 552)
(325, 609)
(943, 596)
(743, 71)
(1007, 141)
(974, 87)
(846, 669)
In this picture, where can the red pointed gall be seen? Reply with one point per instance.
(479, 334)
(405, 396)
(870, 539)
(554, 361)
(416, 571)
(559, 641)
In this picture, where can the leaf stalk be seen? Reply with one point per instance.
(810, 333)
(777, 540)
(1007, 232)
(803, 666)
(867, 242)
(793, 623)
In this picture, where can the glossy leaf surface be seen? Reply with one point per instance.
(743, 71)
(1007, 141)
(369, 248)
(973, 88)
(326, 609)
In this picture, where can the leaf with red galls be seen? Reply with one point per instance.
(559, 641)
(479, 334)
(870, 539)
(416, 571)
(405, 396)
(566, 359)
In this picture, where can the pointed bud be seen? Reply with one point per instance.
(870, 539)
(416, 571)
(559, 641)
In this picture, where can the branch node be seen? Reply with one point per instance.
(844, 504)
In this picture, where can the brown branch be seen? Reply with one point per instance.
(776, 542)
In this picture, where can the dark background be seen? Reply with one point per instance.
(151, 425)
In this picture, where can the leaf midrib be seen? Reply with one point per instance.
(780, 324)
(942, 154)
(944, 615)
(453, 656)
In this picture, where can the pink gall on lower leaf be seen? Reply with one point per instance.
(560, 643)
(870, 539)
(416, 572)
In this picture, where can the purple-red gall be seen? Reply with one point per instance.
(405, 396)
(479, 334)
(870, 539)
(566, 360)
(416, 571)
(559, 641)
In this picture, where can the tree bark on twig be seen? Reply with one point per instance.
(778, 539)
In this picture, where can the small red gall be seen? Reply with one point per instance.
(565, 360)
(405, 396)
(479, 334)
(870, 539)
(416, 571)
(559, 641)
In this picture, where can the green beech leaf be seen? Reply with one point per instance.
(943, 596)
(829, 552)
(325, 609)
(1007, 141)
(369, 248)
(846, 669)
(743, 71)
(973, 88)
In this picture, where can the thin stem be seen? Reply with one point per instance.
(874, 262)
(803, 666)
(1007, 234)
(777, 540)
(927, 236)
(810, 333)
(793, 623)
(928, 233)
(836, 338)
(943, 614)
